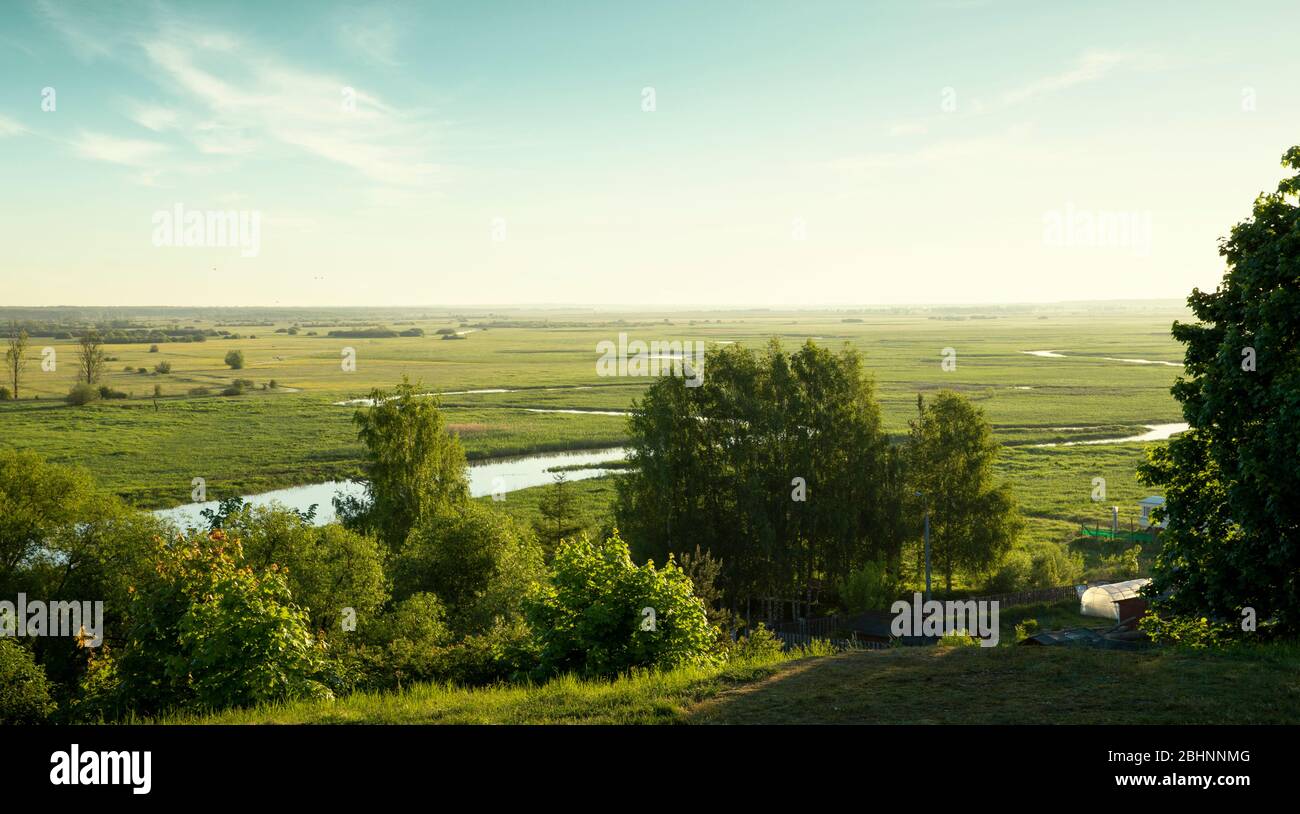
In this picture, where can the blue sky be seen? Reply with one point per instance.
(797, 153)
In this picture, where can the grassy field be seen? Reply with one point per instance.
(966, 685)
(148, 452)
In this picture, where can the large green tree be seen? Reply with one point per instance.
(1231, 483)
(951, 451)
(413, 466)
(776, 464)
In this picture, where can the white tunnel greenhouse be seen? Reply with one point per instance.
(1103, 600)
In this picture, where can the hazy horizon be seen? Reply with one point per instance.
(756, 155)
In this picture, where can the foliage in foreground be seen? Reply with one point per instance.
(1232, 540)
(602, 615)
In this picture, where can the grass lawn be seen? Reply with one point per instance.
(1022, 685)
(963, 685)
(647, 698)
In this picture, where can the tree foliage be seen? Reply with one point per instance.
(951, 451)
(16, 357)
(208, 631)
(602, 615)
(413, 466)
(776, 464)
(1232, 488)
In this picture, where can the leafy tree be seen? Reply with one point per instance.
(1232, 489)
(869, 588)
(560, 513)
(235, 359)
(24, 690)
(16, 356)
(208, 631)
(90, 358)
(413, 466)
(481, 566)
(776, 464)
(592, 619)
(37, 499)
(951, 452)
(328, 568)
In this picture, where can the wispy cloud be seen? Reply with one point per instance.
(373, 36)
(127, 152)
(1090, 67)
(233, 98)
(9, 127)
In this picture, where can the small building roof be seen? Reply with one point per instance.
(1153, 500)
(1116, 591)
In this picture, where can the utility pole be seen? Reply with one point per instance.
(927, 552)
(927, 543)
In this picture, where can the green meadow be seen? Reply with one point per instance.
(148, 449)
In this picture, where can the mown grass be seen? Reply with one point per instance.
(648, 697)
(968, 685)
(1022, 685)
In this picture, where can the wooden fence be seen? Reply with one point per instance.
(803, 631)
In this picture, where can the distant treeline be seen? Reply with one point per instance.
(110, 335)
(376, 333)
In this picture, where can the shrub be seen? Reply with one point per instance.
(209, 631)
(478, 562)
(235, 359)
(24, 690)
(1053, 565)
(272, 384)
(107, 392)
(163, 367)
(329, 568)
(603, 616)
(869, 588)
(82, 393)
(5, 395)
(760, 644)
(157, 390)
(1124, 565)
(200, 391)
(405, 644)
(1025, 629)
(153, 348)
(1013, 574)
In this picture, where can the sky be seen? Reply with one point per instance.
(646, 154)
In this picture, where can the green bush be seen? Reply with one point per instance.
(209, 632)
(1053, 565)
(82, 393)
(601, 615)
(404, 644)
(760, 645)
(24, 690)
(163, 368)
(1014, 574)
(328, 567)
(868, 588)
(235, 359)
(480, 563)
